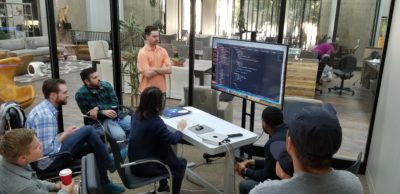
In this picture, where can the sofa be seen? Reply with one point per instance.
(36, 46)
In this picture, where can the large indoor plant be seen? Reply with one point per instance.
(132, 31)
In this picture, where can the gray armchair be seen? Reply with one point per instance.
(207, 99)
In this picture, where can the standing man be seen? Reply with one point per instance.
(43, 120)
(256, 171)
(153, 62)
(313, 138)
(96, 99)
(16, 175)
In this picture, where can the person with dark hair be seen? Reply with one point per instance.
(150, 138)
(256, 171)
(313, 137)
(153, 62)
(96, 99)
(43, 120)
(16, 175)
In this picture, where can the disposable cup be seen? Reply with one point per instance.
(66, 176)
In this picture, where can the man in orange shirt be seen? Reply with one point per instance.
(153, 62)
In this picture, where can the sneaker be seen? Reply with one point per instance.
(112, 188)
(164, 189)
(124, 154)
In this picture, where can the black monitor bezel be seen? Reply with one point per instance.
(244, 97)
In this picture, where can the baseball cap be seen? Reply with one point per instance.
(272, 116)
(278, 151)
(316, 132)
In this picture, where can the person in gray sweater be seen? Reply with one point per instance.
(18, 148)
(314, 136)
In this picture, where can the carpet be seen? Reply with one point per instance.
(65, 67)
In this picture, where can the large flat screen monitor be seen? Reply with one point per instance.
(250, 70)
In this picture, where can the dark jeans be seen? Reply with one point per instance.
(246, 185)
(85, 137)
(177, 170)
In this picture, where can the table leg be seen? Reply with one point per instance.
(201, 77)
(229, 173)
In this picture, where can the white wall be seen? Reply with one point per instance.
(98, 15)
(172, 17)
(383, 172)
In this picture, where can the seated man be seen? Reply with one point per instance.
(43, 120)
(256, 171)
(96, 99)
(16, 175)
(314, 136)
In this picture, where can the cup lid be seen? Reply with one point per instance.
(65, 172)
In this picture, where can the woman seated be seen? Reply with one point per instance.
(150, 138)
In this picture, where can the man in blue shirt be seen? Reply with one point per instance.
(96, 99)
(43, 120)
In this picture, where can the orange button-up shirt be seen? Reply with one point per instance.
(149, 58)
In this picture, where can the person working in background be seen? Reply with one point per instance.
(153, 62)
(314, 136)
(20, 147)
(256, 171)
(43, 120)
(150, 138)
(96, 99)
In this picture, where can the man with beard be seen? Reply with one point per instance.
(153, 62)
(96, 99)
(43, 120)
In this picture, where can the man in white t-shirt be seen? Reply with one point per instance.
(314, 136)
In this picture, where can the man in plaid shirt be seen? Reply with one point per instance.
(43, 120)
(96, 99)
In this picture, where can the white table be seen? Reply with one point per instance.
(222, 127)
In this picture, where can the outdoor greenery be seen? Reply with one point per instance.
(133, 31)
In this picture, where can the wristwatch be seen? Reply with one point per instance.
(243, 172)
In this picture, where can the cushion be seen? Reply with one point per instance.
(12, 44)
(26, 52)
(34, 42)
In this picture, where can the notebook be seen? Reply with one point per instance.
(175, 111)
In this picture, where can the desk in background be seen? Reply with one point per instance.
(370, 71)
(301, 77)
(220, 126)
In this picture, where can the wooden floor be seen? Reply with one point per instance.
(354, 112)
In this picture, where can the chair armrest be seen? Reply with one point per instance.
(147, 160)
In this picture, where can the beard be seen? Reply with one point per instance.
(61, 102)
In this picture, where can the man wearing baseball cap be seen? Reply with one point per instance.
(314, 136)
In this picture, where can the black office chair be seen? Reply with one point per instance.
(53, 175)
(90, 177)
(345, 69)
(356, 166)
(130, 180)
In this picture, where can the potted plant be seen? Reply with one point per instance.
(133, 31)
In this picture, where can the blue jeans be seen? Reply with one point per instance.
(246, 185)
(83, 137)
(119, 128)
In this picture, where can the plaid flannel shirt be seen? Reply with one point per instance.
(104, 97)
(43, 120)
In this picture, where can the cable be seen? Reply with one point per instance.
(262, 133)
(227, 145)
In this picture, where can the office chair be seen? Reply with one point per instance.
(90, 178)
(130, 180)
(356, 166)
(345, 69)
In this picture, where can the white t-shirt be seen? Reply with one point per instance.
(335, 182)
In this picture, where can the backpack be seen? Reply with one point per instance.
(12, 116)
